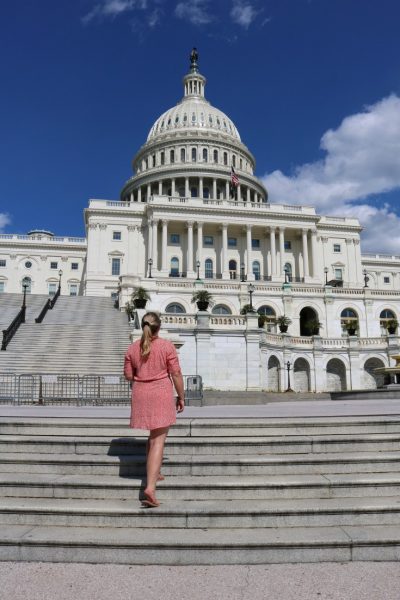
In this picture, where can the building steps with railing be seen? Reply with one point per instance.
(10, 305)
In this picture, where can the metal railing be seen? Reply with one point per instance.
(77, 390)
(50, 302)
(12, 329)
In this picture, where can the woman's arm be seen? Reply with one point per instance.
(180, 390)
(128, 368)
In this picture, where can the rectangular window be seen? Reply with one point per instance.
(52, 288)
(386, 280)
(74, 266)
(116, 266)
(3, 262)
(232, 242)
(336, 247)
(73, 289)
(116, 235)
(338, 274)
(208, 240)
(175, 238)
(2, 287)
(255, 243)
(288, 245)
(162, 158)
(53, 265)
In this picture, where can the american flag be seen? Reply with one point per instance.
(234, 177)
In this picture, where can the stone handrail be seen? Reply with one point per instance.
(228, 320)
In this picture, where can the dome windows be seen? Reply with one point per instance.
(193, 117)
(183, 155)
(172, 156)
(169, 121)
(176, 119)
(210, 119)
(194, 155)
(205, 155)
(233, 160)
(225, 158)
(215, 156)
(185, 119)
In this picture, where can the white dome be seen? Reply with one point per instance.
(193, 114)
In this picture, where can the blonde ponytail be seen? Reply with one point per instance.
(151, 324)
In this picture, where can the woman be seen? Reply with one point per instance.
(151, 363)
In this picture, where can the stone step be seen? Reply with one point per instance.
(126, 545)
(203, 445)
(257, 464)
(209, 487)
(186, 514)
(194, 427)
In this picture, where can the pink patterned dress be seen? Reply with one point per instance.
(153, 404)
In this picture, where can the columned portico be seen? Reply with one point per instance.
(155, 246)
(164, 242)
(273, 251)
(306, 271)
(314, 253)
(200, 247)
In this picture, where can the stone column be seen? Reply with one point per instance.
(148, 191)
(132, 197)
(173, 187)
(164, 266)
(160, 188)
(273, 250)
(200, 187)
(214, 189)
(227, 190)
(305, 253)
(155, 245)
(248, 195)
(239, 192)
(187, 191)
(350, 262)
(250, 276)
(224, 257)
(358, 265)
(314, 253)
(200, 247)
(139, 194)
(132, 262)
(189, 267)
(281, 250)
(149, 239)
(255, 197)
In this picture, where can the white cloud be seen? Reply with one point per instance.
(4, 220)
(362, 159)
(113, 8)
(194, 11)
(243, 13)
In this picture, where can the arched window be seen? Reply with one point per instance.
(175, 308)
(172, 156)
(256, 270)
(221, 309)
(233, 160)
(349, 321)
(388, 321)
(267, 319)
(194, 154)
(162, 158)
(205, 155)
(215, 155)
(174, 267)
(208, 269)
(183, 154)
(233, 269)
(225, 158)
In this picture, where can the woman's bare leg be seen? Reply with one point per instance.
(154, 460)
(160, 475)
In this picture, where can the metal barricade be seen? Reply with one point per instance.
(28, 388)
(105, 390)
(59, 389)
(8, 388)
(193, 388)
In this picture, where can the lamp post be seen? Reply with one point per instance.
(242, 278)
(366, 278)
(251, 289)
(326, 275)
(59, 280)
(198, 269)
(150, 263)
(289, 389)
(25, 285)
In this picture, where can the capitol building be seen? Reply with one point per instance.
(194, 216)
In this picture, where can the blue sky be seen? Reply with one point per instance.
(312, 85)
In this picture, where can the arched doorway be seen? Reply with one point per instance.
(371, 380)
(309, 323)
(267, 319)
(335, 375)
(273, 374)
(301, 375)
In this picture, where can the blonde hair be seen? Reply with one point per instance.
(151, 324)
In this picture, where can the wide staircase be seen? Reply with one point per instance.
(10, 305)
(81, 335)
(235, 491)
